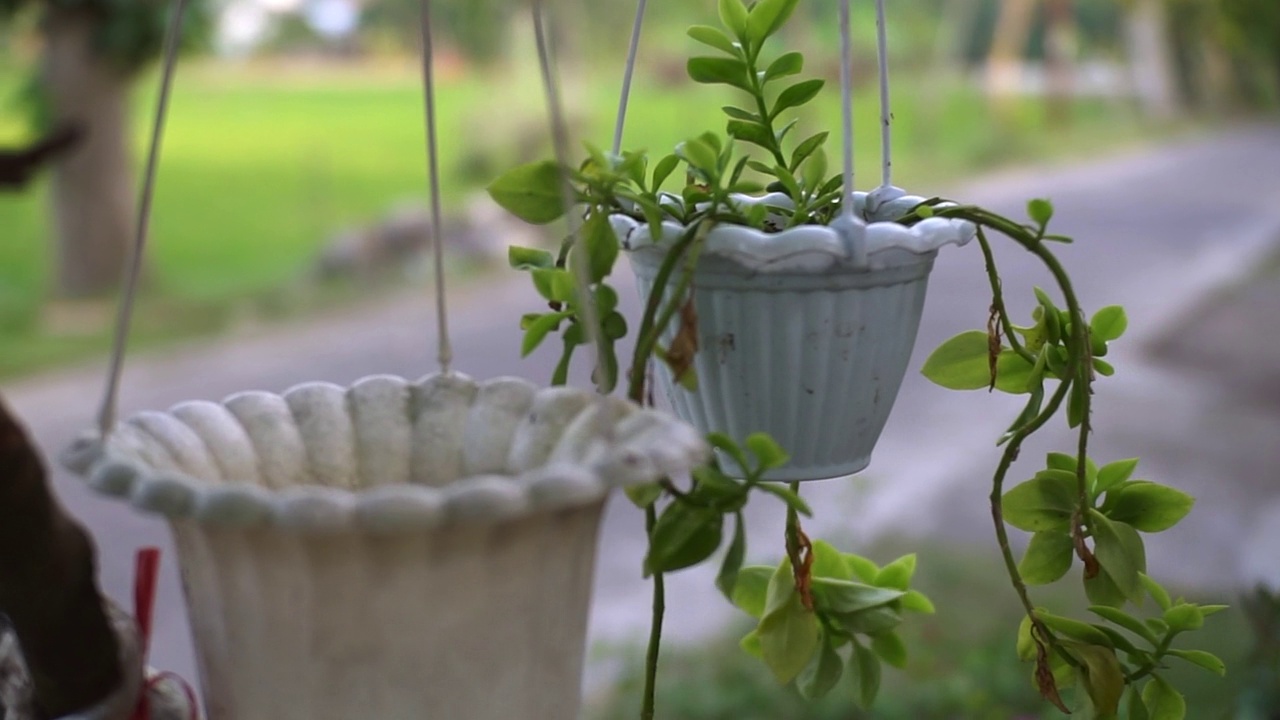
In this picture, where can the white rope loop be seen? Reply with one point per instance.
(133, 265)
(444, 349)
(846, 106)
(560, 141)
(886, 115)
(627, 75)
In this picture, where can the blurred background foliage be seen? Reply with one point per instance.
(296, 122)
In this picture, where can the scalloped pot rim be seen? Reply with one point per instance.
(323, 458)
(870, 242)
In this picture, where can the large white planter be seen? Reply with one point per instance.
(804, 334)
(391, 551)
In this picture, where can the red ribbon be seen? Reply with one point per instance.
(146, 570)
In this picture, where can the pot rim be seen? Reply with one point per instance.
(872, 241)
(645, 446)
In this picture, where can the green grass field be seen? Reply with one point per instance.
(262, 163)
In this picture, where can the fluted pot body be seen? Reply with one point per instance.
(803, 334)
(391, 550)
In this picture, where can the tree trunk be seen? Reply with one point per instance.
(1149, 59)
(1009, 47)
(91, 187)
(1060, 60)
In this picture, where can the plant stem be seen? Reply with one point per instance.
(997, 298)
(655, 628)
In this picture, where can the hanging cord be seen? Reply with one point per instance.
(444, 349)
(559, 136)
(133, 267)
(846, 106)
(886, 116)
(626, 78)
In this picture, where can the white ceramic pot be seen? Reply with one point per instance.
(393, 550)
(804, 334)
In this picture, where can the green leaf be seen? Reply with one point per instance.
(1119, 617)
(1114, 473)
(789, 636)
(726, 445)
(897, 574)
(531, 192)
(1120, 551)
(523, 258)
(750, 644)
(806, 148)
(781, 587)
(815, 170)
(1102, 590)
(751, 132)
(787, 64)
(601, 246)
(890, 648)
(1137, 709)
(750, 589)
(1206, 660)
(868, 674)
(1040, 211)
(846, 596)
(1045, 502)
(766, 17)
(916, 601)
(663, 169)
(828, 562)
(644, 495)
(718, 71)
(1184, 617)
(614, 326)
(768, 453)
(727, 579)
(960, 363)
(1148, 506)
(684, 535)
(538, 330)
(791, 499)
(1162, 701)
(863, 569)
(740, 114)
(734, 16)
(868, 622)
(1076, 401)
(554, 284)
(1104, 678)
(1212, 609)
(699, 155)
(1014, 374)
(1103, 367)
(796, 95)
(821, 674)
(1048, 557)
(714, 37)
(1074, 629)
(1157, 593)
(1109, 323)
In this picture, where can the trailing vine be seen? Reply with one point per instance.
(822, 613)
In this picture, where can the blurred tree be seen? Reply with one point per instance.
(478, 29)
(93, 49)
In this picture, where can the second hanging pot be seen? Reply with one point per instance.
(804, 334)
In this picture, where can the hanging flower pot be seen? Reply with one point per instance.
(803, 334)
(393, 550)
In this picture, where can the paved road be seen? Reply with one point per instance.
(1155, 228)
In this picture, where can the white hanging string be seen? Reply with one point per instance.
(846, 106)
(559, 135)
(133, 265)
(444, 350)
(626, 78)
(886, 116)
